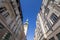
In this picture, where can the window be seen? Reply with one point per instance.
(6, 14)
(15, 30)
(47, 10)
(1, 26)
(2, 9)
(52, 0)
(52, 38)
(49, 24)
(13, 27)
(54, 18)
(58, 35)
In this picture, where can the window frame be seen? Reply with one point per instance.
(54, 18)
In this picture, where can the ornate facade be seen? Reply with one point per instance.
(50, 19)
(11, 27)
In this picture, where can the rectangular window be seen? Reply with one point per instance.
(2, 9)
(6, 15)
(49, 25)
(15, 30)
(58, 35)
(52, 38)
(1, 26)
(54, 18)
(4, 12)
(47, 10)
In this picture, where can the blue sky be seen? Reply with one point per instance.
(30, 8)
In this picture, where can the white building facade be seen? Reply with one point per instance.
(50, 19)
(38, 31)
(11, 27)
